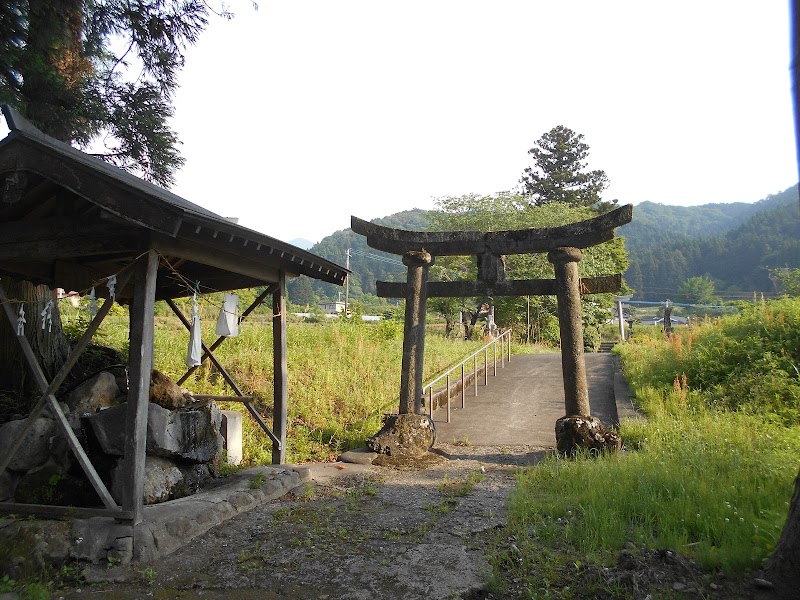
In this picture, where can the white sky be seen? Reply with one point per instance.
(295, 116)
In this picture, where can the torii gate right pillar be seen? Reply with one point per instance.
(570, 322)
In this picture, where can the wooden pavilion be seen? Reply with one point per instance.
(72, 221)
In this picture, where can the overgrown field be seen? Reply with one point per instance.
(342, 376)
(709, 473)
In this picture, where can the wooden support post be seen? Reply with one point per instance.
(280, 393)
(418, 263)
(141, 365)
(570, 322)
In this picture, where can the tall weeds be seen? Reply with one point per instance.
(342, 377)
(709, 472)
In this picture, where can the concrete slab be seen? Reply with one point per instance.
(170, 525)
(521, 405)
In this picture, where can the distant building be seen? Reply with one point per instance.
(660, 321)
(332, 308)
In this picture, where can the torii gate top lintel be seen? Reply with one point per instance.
(582, 234)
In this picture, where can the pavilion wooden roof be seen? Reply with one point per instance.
(70, 220)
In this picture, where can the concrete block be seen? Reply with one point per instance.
(232, 434)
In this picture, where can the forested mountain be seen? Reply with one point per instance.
(653, 223)
(735, 244)
(368, 265)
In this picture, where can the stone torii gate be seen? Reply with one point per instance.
(563, 245)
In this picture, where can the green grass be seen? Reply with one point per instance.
(708, 474)
(342, 376)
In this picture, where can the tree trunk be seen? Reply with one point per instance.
(783, 568)
(52, 74)
(49, 344)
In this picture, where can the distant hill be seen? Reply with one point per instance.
(653, 223)
(368, 265)
(735, 244)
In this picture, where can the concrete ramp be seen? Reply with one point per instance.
(521, 404)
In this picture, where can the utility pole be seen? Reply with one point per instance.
(347, 283)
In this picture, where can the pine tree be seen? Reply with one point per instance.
(57, 68)
(559, 175)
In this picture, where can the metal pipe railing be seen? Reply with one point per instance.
(504, 340)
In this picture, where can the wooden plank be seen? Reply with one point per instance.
(49, 249)
(522, 241)
(264, 270)
(531, 287)
(62, 512)
(141, 364)
(33, 272)
(55, 408)
(13, 232)
(280, 369)
(260, 248)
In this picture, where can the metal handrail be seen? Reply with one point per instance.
(504, 340)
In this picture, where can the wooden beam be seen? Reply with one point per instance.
(13, 232)
(263, 271)
(141, 365)
(51, 249)
(85, 275)
(531, 287)
(218, 281)
(62, 512)
(280, 396)
(522, 241)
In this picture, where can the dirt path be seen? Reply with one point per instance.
(355, 532)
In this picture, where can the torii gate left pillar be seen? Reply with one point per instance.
(418, 263)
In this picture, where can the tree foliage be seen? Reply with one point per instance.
(698, 290)
(789, 281)
(505, 211)
(559, 172)
(84, 71)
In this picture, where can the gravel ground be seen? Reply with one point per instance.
(355, 532)
(358, 532)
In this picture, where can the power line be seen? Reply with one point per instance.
(377, 257)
